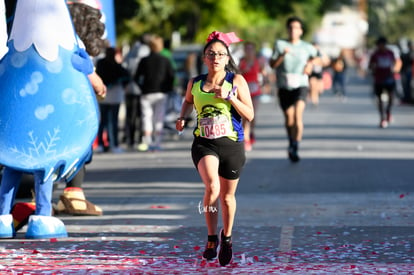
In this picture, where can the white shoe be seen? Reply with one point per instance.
(6, 227)
(143, 147)
(45, 227)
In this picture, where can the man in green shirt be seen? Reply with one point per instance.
(293, 60)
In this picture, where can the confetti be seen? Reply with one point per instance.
(157, 250)
(158, 206)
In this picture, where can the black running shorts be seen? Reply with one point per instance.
(379, 88)
(230, 153)
(288, 98)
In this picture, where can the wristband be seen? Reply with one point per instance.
(181, 118)
(231, 93)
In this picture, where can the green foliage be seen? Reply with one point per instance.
(391, 18)
(256, 20)
(150, 16)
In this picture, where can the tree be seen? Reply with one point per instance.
(257, 20)
(390, 18)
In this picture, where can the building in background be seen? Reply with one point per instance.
(345, 29)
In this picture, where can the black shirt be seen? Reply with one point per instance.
(155, 74)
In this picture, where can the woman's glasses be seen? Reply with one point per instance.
(211, 55)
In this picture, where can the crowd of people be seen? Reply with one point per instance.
(148, 94)
(143, 81)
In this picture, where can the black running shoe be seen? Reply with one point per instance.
(211, 250)
(226, 250)
(293, 154)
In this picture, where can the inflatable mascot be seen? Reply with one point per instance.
(49, 116)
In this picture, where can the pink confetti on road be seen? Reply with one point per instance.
(48, 262)
(159, 206)
(83, 261)
(316, 250)
(402, 196)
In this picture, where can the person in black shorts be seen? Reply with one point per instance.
(221, 99)
(384, 64)
(293, 60)
(316, 77)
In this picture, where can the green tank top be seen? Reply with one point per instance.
(216, 117)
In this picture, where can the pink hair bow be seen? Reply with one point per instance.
(227, 38)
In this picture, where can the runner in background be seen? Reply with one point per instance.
(293, 60)
(252, 68)
(316, 84)
(384, 66)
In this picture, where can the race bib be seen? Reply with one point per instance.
(214, 127)
(293, 80)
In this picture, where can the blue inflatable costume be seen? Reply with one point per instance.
(49, 116)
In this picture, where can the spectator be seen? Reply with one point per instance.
(133, 123)
(115, 77)
(339, 73)
(155, 77)
(407, 58)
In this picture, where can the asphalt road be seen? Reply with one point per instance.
(346, 208)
